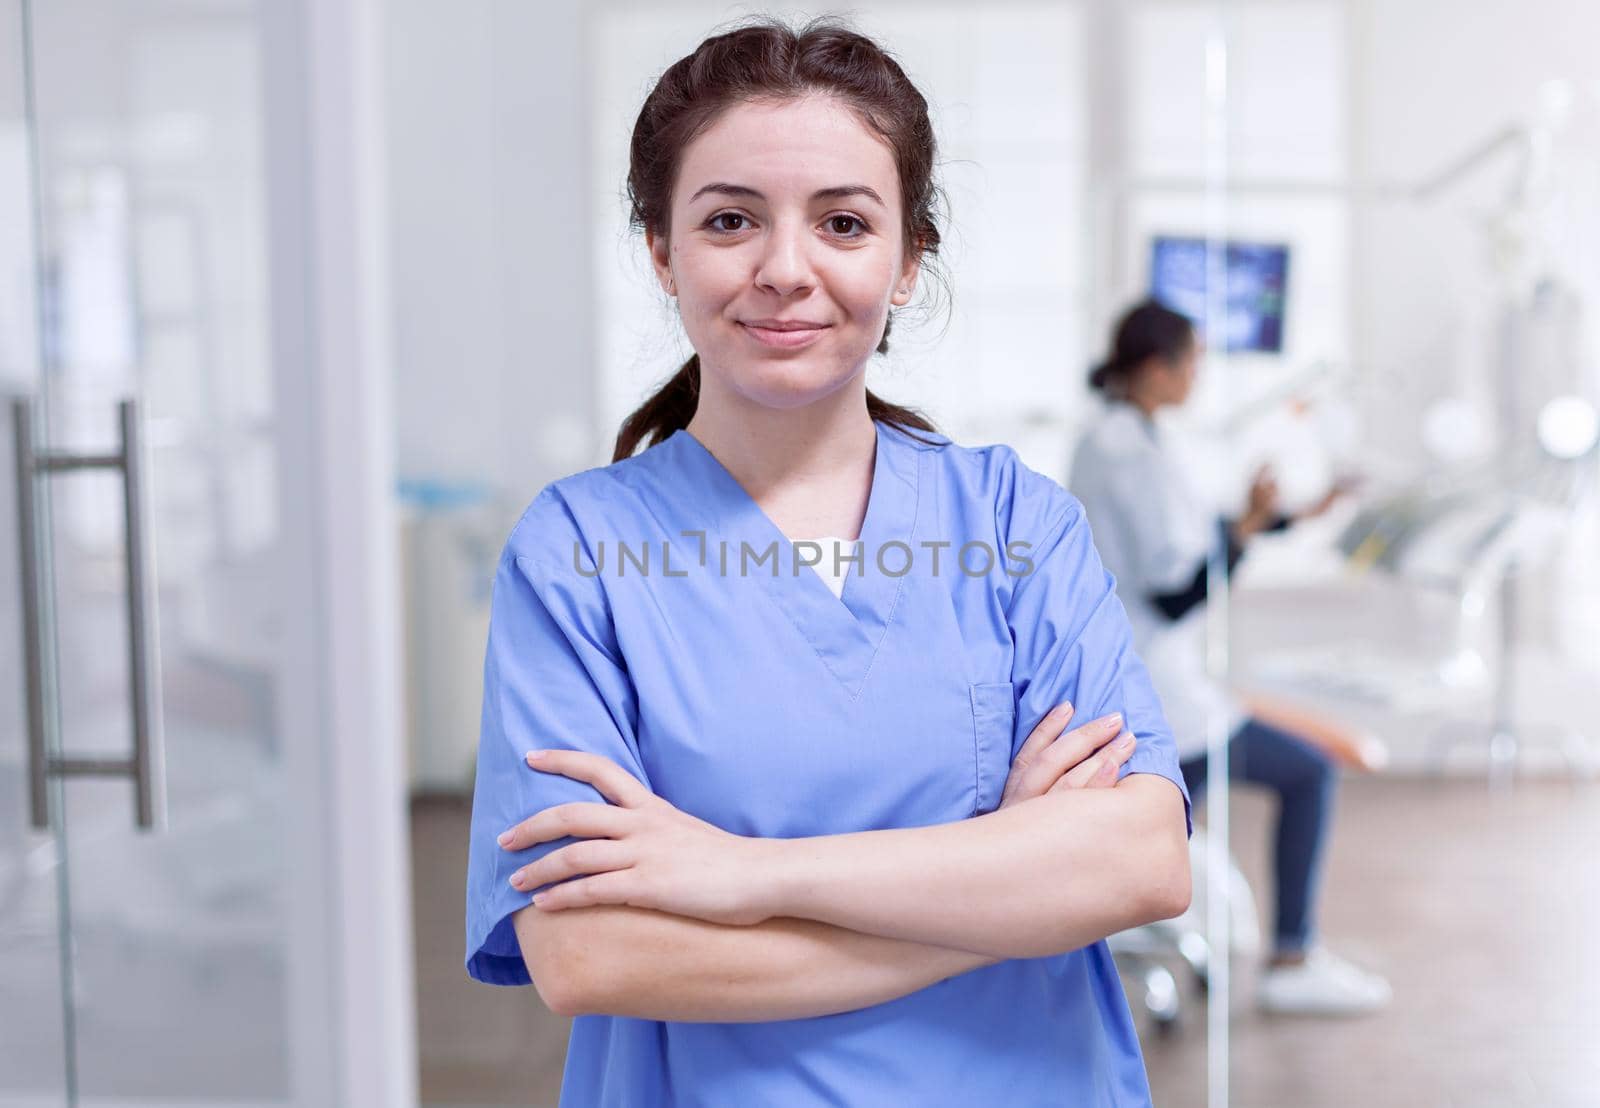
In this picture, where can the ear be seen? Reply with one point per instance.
(661, 261)
(906, 282)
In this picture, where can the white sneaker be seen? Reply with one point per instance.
(1324, 984)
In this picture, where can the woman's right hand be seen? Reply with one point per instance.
(1263, 494)
(1085, 757)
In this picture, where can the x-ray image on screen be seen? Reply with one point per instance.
(1257, 284)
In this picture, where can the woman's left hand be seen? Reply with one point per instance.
(638, 850)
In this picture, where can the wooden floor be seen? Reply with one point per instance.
(477, 1044)
(1481, 908)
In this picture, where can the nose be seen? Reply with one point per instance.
(785, 266)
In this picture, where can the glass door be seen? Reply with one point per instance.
(34, 1035)
(164, 901)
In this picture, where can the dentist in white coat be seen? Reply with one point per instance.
(1155, 533)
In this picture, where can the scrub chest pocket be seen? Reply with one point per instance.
(994, 718)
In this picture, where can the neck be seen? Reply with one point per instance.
(1145, 403)
(809, 468)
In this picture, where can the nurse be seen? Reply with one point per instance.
(1156, 534)
(796, 844)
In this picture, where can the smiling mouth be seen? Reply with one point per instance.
(786, 337)
(783, 325)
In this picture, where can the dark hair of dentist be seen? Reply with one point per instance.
(797, 842)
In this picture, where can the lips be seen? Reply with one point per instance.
(784, 334)
(784, 324)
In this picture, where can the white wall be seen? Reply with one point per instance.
(1430, 81)
(527, 323)
(491, 213)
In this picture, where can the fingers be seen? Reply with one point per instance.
(615, 887)
(1039, 739)
(596, 856)
(1047, 731)
(615, 783)
(579, 820)
(1102, 769)
(1069, 750)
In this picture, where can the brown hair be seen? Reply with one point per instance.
(767, 59)
(1147, 330)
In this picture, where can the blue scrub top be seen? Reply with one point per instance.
(764, 704)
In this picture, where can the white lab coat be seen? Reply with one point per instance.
(1154, 527)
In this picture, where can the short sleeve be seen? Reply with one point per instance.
(1072, 637)
(552, 678)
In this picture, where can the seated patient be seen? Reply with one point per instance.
(1155, 534)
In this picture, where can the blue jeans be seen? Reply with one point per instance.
(1304, 779)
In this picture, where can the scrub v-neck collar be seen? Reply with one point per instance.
(846, 631)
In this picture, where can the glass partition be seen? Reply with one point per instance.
(166, 907)
(1433, 172)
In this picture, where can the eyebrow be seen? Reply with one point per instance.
(835, 193)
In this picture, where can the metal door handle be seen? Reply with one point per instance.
(147, 766)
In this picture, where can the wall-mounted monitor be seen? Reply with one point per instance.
(1257, 276)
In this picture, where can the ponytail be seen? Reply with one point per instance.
(669, 410)
(1108, 376)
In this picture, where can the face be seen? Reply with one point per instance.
(785, 214)
(1177, 375)
(1185, 369)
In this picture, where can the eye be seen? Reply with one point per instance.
(715, 222)
(835, 220)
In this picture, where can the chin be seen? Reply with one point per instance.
(790, 384)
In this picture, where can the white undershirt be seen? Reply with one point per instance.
(824, 567)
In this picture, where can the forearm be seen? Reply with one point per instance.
(1240, 531)
(1049, 874)
(1232, 536)
(637, 962)
(1254, 523)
